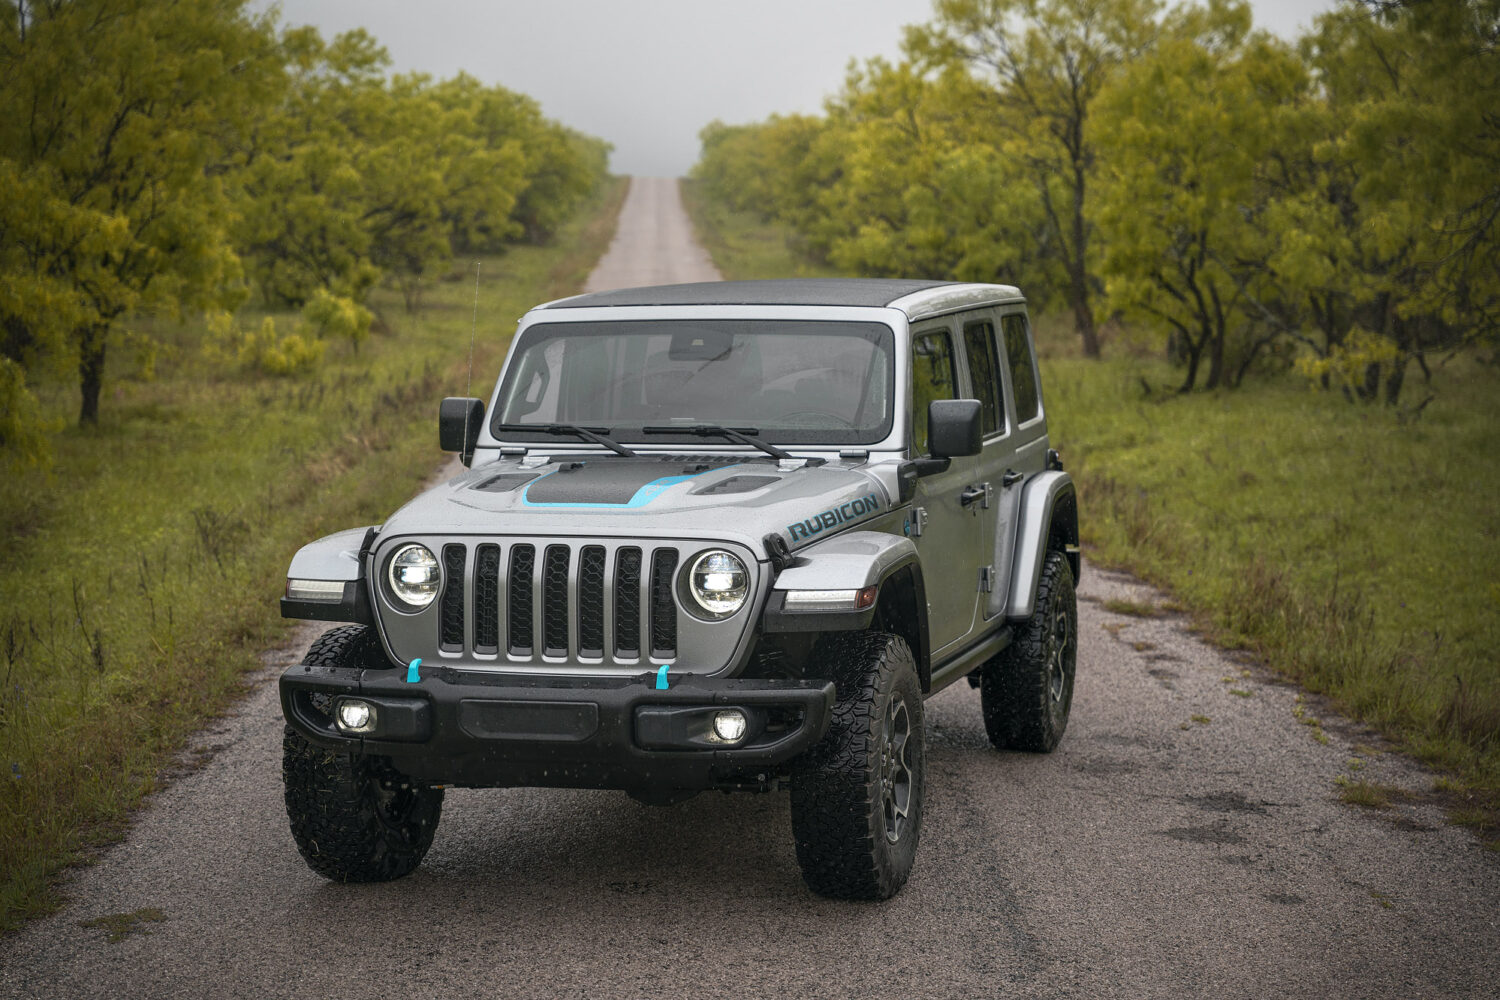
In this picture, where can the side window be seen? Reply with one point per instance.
(1022, 374)
(932, 377)
(984, 370)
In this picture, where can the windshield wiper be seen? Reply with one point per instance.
(741, 435)
(594, 434)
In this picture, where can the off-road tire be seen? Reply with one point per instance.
(842, 789)
(354, 817)
(1026, 690)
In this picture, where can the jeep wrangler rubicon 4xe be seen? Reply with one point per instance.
(711, 536)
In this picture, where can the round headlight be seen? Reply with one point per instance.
(719, 583)
(414, 575)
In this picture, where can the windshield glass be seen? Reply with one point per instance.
(800, 382)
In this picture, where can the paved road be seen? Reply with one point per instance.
(1184, 840)
(654, 243)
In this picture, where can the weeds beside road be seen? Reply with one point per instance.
(145, 567)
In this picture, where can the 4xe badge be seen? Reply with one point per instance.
(832, 517)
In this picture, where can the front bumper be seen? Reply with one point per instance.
(470, 727)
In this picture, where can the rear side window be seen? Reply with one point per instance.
(932, 377)
(984, 369)
(1022, 371)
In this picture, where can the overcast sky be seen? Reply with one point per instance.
(646, 75)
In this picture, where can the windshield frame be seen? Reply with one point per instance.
(536, 329)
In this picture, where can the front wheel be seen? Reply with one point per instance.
(857, 795)
(355, 818)
(1026, 690)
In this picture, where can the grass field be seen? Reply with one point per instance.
(1354, 549)
(146, 563)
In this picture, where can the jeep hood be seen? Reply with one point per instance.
(739, 498)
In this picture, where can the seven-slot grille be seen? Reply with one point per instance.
(556, 600)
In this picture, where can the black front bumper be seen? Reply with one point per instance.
(470, 727)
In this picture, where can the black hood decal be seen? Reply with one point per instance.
(623, 482)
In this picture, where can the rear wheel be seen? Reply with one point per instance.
(354, 817)
(1026, 690)
(857, 795)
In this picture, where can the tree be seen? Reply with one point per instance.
(1185, 135)
(1045, 62)
(117, 116)
(1402, 195)
(923, 186)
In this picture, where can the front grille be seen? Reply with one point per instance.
(487, 600)
(591, 601)
(522, 563)
(628, 604)
(663, 617)
(452, 638)
(559, 601)
(555, 601)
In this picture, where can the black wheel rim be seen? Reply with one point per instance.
(895, 767)
(1059, 638)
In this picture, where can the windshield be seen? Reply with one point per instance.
(799, 382)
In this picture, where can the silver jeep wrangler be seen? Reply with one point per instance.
(713, 536)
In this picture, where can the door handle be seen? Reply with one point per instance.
(1011, 478)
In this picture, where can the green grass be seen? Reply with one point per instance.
(1354, 549)
(744, 247)
(144, 567)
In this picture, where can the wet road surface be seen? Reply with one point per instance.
(1184, 840)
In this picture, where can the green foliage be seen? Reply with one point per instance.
(112, 114)
(1283, 519)
(1331, 205)
(1184, 134)
(357, 175)
(23, 428)
(144, 569)
(1042, 64)
(156, 155)
(262, 350)
(335, 316)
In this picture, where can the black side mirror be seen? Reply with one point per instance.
(953, 428)
(459, 422)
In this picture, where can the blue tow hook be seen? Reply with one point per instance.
(412, 677)
(661, 678)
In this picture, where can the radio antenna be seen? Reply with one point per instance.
(473, 333)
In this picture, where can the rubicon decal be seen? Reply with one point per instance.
(832, 517)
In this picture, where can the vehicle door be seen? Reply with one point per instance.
(994, 464)
(946, 531)
(1026, 445)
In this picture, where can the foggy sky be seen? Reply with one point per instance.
(646, 75)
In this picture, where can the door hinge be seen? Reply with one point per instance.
(989, 494)
(916, 522)
(986, 579)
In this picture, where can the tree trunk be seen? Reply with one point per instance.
(1215, 358)
(1194, 352)
(1083, 315)
(91, 345)
(1078, 275)
(1394, 380)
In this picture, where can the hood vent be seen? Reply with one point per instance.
(738, 484)
(505, 483)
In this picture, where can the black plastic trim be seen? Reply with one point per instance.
(354, 607)
(579, 753)
(778, 619)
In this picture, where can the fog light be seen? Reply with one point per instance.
(729, 725)
(356, 716)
